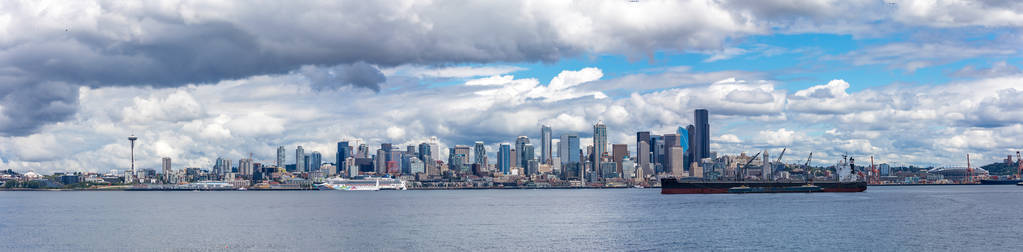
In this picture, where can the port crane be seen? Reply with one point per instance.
(740, 175)
(969, 170)
(1019, 166)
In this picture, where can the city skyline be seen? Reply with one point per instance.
(900, 81)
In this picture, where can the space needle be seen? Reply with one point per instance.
(132, 138)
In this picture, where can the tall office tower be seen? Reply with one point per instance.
(280, 156)
(305, 162)
(479, 154)
(675, 161)
(701, 134)
(599, 142)
(643, 159)
(504, 158)
(545, 145)
(245, 167)
(363, 151)
(217, 166)
(690, 152)
(642, 136)
(657, 157)
(299, 159)
(619, 151)
(315, 160)
(569, 154)
(520, 144)
(528, 154)
(465, 152)
(435, 147)
(167, 166)
(380, 162)
(411, 150)
(563, 149)
(343, 152)
(425, 153)
(514, 158)
(672, 141)
(387, 147)
(683, 135)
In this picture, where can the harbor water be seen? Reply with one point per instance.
(983, 217)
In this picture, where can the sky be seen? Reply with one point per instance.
(907, 82)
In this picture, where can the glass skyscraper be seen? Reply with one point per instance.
(504, 158)
(545, 144)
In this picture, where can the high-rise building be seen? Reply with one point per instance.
(387, 148)
(701, 135)
(245, 167)
(479, 154)
(520, 144)
(657, 157)
(528, 153)
(514, 158)
(504, 158)
(305, 162)
(435, 147)
(619, 151)
(465, 152)
(167, 166)
(343, 152)
(690, 153)
(300, 159)
(674, 163)
(315, 160)
(363, 151)
(425, 153)
(380, 162)
(683, 135)
(545, 144)
(642, 159)
(599, 142)
(280, 156)
(672, 141)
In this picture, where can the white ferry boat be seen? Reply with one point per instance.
(362, 184)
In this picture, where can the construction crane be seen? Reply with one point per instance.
(807, 164)
(876, 176)
(780, 155)
(738, 174)
(1019, 166)
(969, 170)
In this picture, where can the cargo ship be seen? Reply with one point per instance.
(847, 179)
(1000, 181)
(675, 186)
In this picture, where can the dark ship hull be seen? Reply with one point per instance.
(674, 186)
(999, 181)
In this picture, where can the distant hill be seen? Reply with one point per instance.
(1000, 168)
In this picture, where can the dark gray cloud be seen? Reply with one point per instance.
(359, 74)
(27, 105)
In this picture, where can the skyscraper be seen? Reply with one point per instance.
(315, 160)
(643, 159)
(644, 137)
(504, 158)
(528, 155)
(343, 152)
(599, 142)
(690, 156)
(425, 153)
(671, 158)
(299, 159)
(363, 151)
(520, 144)
(386, 147)
(701, 135)
(280, 156)
(545, 144)
(479, 154)
(166, 166)
(619, 151)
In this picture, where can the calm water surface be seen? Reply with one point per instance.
(882, 218)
